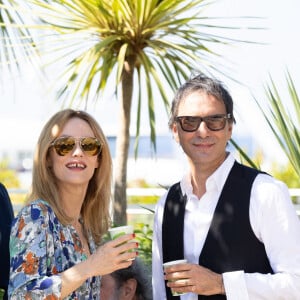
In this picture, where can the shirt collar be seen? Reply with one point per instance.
(216, 180)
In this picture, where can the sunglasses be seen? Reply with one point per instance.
(213, 122)
(64, 145)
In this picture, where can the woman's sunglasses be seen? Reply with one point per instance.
(64, 145)
(214, 122)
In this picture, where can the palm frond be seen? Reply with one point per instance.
(244, 155)
(283, 119)
(89, 40)
(16, 41)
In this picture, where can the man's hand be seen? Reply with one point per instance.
(194, 278)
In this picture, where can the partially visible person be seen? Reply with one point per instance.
(6, 218)
(56, 240)
(235, 225)
(132, 283)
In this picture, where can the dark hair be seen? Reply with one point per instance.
(204, 84)
(138, 271)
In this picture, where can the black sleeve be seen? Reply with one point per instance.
(6, 218)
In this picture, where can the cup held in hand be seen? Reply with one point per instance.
(116, 232)
(172, 263)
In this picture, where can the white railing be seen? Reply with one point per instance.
(294, 192)
(144, 192)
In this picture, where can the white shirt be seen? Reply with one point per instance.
(274, 222)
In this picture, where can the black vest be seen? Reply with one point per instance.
(231, 244)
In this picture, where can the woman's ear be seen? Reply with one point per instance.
(128, 289)
(49, 161)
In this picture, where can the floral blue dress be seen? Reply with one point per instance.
(40, 249)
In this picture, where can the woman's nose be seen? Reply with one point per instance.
(77, 151)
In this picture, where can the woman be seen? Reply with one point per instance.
(54, 239)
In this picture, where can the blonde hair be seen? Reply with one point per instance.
(95, 208)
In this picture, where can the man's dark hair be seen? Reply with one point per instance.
(138, 271)
(201, 83)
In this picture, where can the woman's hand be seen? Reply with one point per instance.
(109, 257)
(113, 255)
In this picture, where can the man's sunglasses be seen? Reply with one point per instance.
(64, 145)
(213, 122)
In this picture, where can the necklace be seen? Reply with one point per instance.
(81, 238)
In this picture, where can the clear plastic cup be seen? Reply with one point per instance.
(116, 232)
(172, 263)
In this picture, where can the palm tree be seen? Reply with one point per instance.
(16, 41)
(136, 46)
(283, 117)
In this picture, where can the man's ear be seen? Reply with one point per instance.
(128, 289)
(175, 132)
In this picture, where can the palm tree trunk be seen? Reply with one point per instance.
(122, 144)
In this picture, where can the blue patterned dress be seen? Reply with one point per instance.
(40, 249)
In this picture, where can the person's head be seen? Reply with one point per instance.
(203, 140)
(132, 283)
(61, 146)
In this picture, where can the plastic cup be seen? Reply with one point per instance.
(1, 294)
(116, 232)
(172, 263)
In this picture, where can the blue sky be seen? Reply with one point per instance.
(27, 103)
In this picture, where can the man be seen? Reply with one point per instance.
(236, 226)
(6, 218)
(132, 283)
